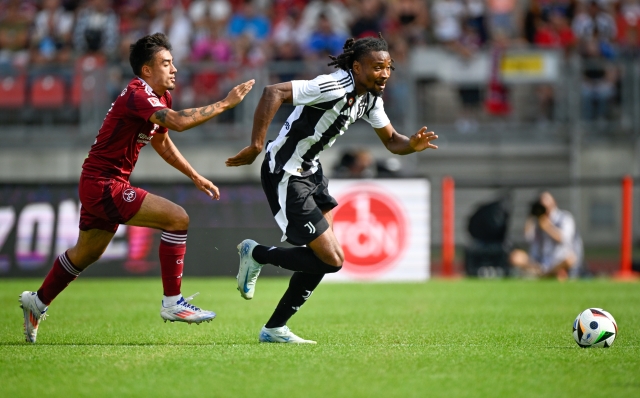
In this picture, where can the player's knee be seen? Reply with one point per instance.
(179, 220)
(336, 259)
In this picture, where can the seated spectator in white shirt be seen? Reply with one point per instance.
(555, 245)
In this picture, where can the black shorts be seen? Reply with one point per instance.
(297, 203)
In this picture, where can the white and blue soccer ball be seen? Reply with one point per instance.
(595, 327)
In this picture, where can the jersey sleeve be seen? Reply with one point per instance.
(142, 104)
(376, 116)
(321, 89)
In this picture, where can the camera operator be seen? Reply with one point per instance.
(555, 245)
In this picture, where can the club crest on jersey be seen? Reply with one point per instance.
(155, 102)
(129, 195)
(350, 101)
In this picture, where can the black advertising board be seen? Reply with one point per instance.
(40, 221)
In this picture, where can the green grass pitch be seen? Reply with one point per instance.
(463, 338)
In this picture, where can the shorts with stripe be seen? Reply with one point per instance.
(297, 203)
(107, 202)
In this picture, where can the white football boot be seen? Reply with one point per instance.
(249, 269)
(32, 315)
(182, 311)
(281, 335)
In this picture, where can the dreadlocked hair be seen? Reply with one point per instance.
(354, 50)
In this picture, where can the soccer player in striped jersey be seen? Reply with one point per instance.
(292, 176)
(140, 115)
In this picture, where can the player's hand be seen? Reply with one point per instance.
(422, 140)
(207, 187)
(237, 94)
(246, 156)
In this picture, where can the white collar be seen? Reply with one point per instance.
(147, 87)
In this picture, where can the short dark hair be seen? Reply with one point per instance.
(143, 51)
(354, 50)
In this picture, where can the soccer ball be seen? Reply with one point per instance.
(594, 327)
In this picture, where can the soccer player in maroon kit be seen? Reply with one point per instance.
(140, 115)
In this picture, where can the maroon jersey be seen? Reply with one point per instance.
(125, 130)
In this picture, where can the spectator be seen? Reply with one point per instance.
(357, 163)
(594, 21)
(96, 29)
(202, 12)
(410, 18)
(627, 18)
(532, 18)
(325, 40)
(599, 76)
(555, 34)
(249, 52)
(336, 12)
(52, 32)
(369, 20)
(501, 17)
(248, 22)
(214, 47)
(285, 29)
(133, 25)
(555, 245)
(15, 22)
(288, 53)
(173, 22)
(475, 19)
(447, 20)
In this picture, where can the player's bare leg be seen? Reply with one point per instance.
(323, 255)
(89, 247)
(160, 213)
(326, 246)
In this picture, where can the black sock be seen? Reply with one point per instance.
(301, 259)
(300, 288)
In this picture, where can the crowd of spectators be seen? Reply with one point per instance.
(232, 33)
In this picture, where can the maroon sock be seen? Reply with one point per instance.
(62, 273)
(173, 246)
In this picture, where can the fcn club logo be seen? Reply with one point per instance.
(371, 228)
(129, 195)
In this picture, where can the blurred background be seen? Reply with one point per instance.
(525, 95)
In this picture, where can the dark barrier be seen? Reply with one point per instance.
(40, 221)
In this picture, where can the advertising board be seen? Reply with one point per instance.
(383, 227)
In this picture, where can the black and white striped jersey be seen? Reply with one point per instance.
(325, 107)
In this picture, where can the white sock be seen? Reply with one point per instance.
(168, 301)
(40, 304)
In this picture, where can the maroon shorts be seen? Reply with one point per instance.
(107, 202)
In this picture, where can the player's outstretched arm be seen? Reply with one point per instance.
(272, 97)
(403, 145)
(188, 118)
(169, 152)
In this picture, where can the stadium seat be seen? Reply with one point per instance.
(13, 92)
(81, 86)
(89, 63)
(47, 92)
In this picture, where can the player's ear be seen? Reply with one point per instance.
(356, 67)
(146, 70)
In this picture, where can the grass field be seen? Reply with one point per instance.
(465, 338)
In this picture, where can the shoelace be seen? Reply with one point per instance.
(190, 306)
(43, 315)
